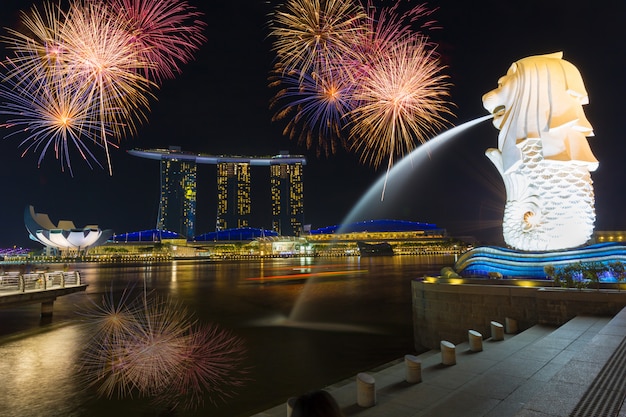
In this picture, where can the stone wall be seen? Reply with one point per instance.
(445, 311)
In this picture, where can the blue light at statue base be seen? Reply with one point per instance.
(511, 263)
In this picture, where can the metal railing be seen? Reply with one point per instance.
(38, 281)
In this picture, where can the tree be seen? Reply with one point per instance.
(592, 271)
(550, 272)
(618, 271)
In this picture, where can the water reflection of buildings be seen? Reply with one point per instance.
(177, 204)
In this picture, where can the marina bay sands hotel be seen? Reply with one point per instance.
(177, 206)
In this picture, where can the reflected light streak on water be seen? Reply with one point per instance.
(301, 274)
(26, 359)
(283, 321)
(174, 272)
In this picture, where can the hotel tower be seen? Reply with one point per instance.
(177, 205)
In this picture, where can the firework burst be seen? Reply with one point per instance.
(318, 103)
(100, 58)
(153, 348)
(311, 35)
(104, 58)
(384, 29)
(368, 76)
(54, 117)
(39, 47)
(402, 101)
(166, 33)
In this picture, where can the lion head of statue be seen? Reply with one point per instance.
(541, 97)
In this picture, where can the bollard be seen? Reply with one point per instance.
(497, 331)
(413, 367)
(448, 353)
(290, 402)
(475, 341)
(365, 390)
(510, 325)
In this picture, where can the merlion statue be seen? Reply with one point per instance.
(543, 155)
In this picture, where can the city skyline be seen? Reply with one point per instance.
(219, 105)
(235, 205)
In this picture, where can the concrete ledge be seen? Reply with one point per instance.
(446, 310)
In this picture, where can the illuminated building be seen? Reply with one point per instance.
(233, 195)
(177, 206)
(64, 237)
(601, 236)
(287, 197)
(177, 209)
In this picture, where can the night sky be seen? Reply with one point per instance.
(219, 105)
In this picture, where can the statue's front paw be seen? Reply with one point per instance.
(495, 156)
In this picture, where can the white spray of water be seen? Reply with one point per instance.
(417, 156)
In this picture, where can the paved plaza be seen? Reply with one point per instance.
(578, 369)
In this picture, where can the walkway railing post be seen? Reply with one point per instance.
(22, 283)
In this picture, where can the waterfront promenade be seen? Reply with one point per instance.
(18, 288)
(575, 370)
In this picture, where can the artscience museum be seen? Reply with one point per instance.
(63, 237)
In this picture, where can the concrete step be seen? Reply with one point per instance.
(542, 371)
(591, 383)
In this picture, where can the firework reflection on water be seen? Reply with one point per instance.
(334, 337)
(151, 347)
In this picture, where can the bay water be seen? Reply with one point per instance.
(306, 323)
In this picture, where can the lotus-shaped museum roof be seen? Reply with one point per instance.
(64, 235)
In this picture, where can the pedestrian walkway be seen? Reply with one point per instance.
(576, 370)
(17, 288)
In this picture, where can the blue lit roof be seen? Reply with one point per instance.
(376, 226)
(243, 233)
(152, 235)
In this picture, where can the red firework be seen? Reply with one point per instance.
(166, 33)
